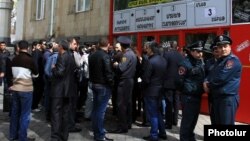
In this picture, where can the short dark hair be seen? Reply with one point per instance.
(64, 44)
(103, 42)
(23, 44)
(77, 39)
(2, 42)
(154, 47)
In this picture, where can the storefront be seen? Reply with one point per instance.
(186, 21)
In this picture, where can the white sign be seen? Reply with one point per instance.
(210, 12)
(145, 18)
(174, 15)
(122, 21)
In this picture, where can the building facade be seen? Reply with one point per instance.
(186, 21)
(5, 14)
(41, 19)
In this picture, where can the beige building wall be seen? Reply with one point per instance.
(88, 24)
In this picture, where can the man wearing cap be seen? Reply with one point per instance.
(126, 69)
(191, 72)
(223, 84)
(209, 65)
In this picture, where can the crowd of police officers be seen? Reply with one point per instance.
(160, 73)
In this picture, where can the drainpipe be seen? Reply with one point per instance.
(5, 13)
(52, 17)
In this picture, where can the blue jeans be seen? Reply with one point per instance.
(152, 105)
(20, 115)
(101, 94)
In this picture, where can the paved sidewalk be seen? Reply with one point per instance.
(40, 129)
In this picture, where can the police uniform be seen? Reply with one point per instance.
(224, 85)
(192, 74)
(209, 65)
(127, 69)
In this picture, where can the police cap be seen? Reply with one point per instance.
(222, 39)
(199, 45)
(124, 40)
(212, 46)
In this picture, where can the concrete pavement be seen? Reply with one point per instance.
(40, 129)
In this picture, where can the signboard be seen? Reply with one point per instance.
(122, 21)
(127, 4)
(174, 15)
(210, 12)
(145, 19)
(240, 11)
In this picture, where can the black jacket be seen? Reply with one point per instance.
(64, 83)
(100, 70)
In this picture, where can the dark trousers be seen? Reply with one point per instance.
(59, 119)
(224, 109)
(38, 84)
(124, 103)
(172, 102)
(190, 113)
(136, 101)
(82, 89)
(72, 112)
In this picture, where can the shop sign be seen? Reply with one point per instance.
(174, 15)
(145, 18)
(210, 12)
(122, 21)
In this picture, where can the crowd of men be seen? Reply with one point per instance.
(64, 76)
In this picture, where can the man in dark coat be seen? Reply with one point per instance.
(62, 79)
(101, 76)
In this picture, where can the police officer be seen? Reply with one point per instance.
(192, 74)
(126, 69)
(209, 65)
(223, 84)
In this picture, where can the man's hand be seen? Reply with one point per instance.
(1, 74)
(205, 87)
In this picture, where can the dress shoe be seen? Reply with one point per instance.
(148, 138)
(105, 139)
(75, 129)
(118, 131)
(163, 137)
(144, 125)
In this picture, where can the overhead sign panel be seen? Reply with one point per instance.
(174, 15)
(210, 12)
(122, 21)
(145, 18)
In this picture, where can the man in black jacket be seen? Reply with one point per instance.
(101, 77)
(61, 86)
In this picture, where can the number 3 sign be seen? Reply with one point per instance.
(210, 12)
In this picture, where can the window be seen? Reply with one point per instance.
(82, 5)
(40, 9)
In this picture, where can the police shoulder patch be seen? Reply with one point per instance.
(229, 64)
(124, 59)
(182, 70)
